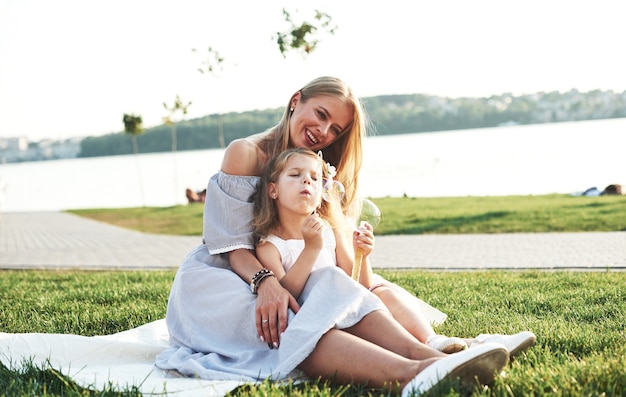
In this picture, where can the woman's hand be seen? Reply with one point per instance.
(363, 239)
(272, 304)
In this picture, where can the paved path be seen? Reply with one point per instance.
(56, 240)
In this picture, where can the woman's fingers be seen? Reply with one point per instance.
(272, 312)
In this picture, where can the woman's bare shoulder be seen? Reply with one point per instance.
(241, 158)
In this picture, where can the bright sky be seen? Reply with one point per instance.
(74, 67)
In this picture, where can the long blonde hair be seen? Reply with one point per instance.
(265, 217)
(346, 152)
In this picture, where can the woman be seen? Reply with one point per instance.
(220, 329)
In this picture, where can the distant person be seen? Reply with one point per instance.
(230, 318)
(612, 190)
(195, 197)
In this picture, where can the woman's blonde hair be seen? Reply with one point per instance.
(265, 219)
(346, 152)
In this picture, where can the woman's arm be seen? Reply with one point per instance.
(269, 256)
(272, 299)
(242, 158)
(343, 251)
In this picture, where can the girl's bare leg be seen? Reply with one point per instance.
(345, 358)
(383, 330)
(407, 314)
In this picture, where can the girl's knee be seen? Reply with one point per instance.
(386, 293)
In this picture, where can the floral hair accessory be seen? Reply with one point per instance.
(331, 187)
(331, 170)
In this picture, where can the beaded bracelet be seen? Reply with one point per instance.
(258, 277)
(258, 283)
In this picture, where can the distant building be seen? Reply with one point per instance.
(14, 150)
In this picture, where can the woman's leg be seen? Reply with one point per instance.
(345, 358)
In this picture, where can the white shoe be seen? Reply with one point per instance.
(482, 362)
(446, 344)
(515, 344)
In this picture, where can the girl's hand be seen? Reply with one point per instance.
(363, 239)
(312, 232)
(272, 304)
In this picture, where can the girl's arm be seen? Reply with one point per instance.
(295, 279)
(363, 240)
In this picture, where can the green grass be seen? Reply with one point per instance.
(578, 318)
(451, 215)
(184, 220)
(509, 214)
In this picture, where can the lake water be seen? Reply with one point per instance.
(531, 159)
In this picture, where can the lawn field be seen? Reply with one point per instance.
(578, 317)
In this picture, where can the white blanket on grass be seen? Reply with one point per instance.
(120, 360)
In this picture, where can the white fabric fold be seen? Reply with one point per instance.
(120, 360)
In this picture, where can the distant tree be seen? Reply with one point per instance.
(304, 37)
(133, 126)
(213, 64)
(171, 118)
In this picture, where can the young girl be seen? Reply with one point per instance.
(297, 232)
(301, 228)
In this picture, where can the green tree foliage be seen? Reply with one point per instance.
(303, 37)
(213, 63)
